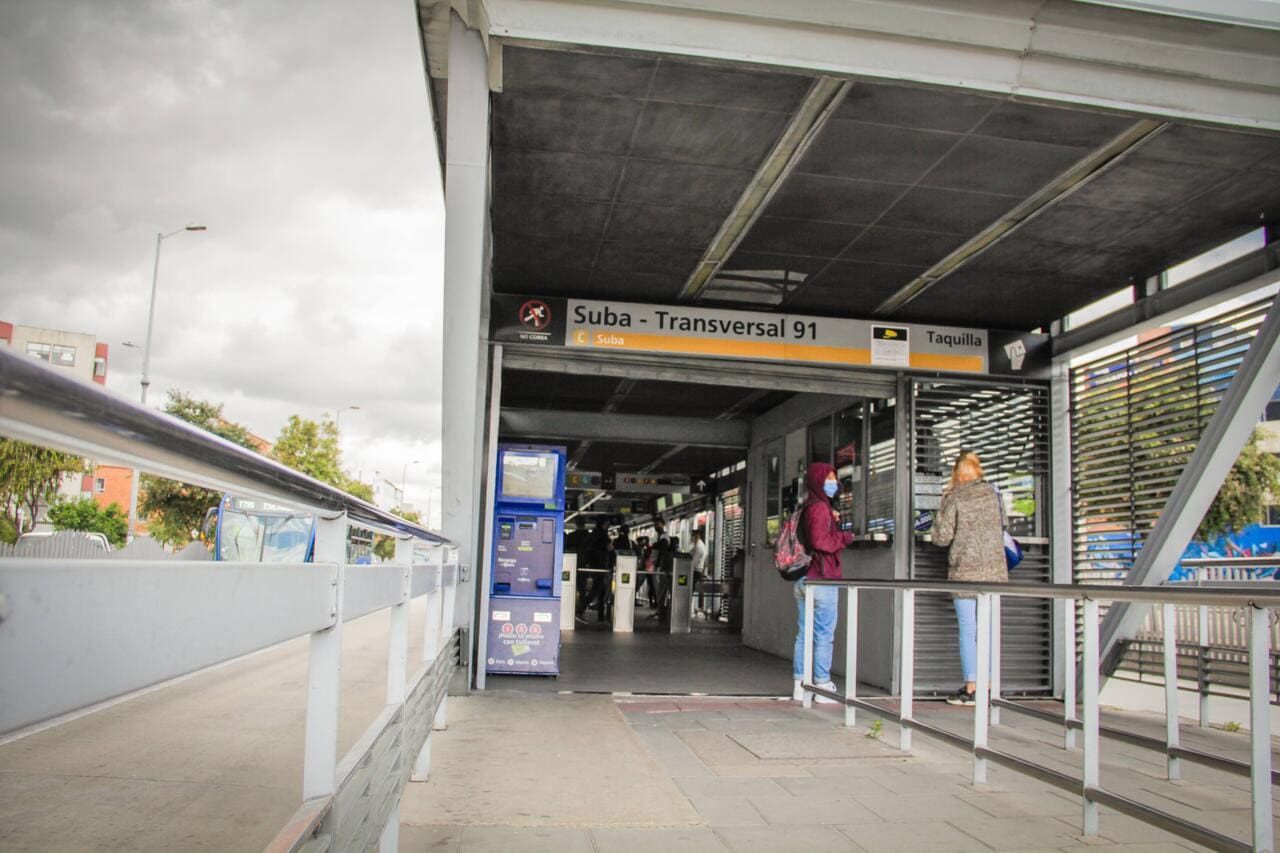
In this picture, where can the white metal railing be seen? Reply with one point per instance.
(76, 632)
(987, 709)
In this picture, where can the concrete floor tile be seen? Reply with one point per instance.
(926, 836)
(788, 810)
(715, 748)
(906, 807)
(917, 779)
(1015, 833)
(813, 746)
(806, 839)
(1132, 848)
(1022, 804)
(856, 767)
(714, 787)
(531, 839)
(727, 811)
(628, 840)
(430, 839)
(833, 788)
(761, 769)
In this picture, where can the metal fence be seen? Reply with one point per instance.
(1259, 604)
(75, 631)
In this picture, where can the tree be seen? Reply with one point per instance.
(29, 477)
(85, 514)
(175, 511)
(364, 491)
(385, 546)
(312, 448)
(1242, 500)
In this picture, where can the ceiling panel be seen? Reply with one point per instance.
(712, 136)
(853, 149)
(948, 211)
(914, 248)
(681, 185)
(1007, 166)
(833, 199)
(904, 106)
(799, 237)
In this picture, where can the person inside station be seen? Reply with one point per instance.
(698, 555)
(622, 542)
(575, 542)
(599, 556)
(664, 555)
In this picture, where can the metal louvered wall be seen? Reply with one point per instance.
(1008, 427)
(1136, 416)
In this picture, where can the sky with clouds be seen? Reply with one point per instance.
(300, 135)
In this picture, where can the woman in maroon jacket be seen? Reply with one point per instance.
(824, 540)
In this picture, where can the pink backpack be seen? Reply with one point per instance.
(790, 557)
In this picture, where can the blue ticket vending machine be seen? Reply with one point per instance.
(528, 537)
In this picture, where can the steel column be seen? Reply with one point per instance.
(466, 198)
(1068, 674)
(995, 658)
(482, 573)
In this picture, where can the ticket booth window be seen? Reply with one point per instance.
(773, 492)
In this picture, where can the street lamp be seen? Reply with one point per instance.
(404, 473)
(337, 418)
(146, 365)
(151, 313)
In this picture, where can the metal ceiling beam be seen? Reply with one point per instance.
(728, 414)
(632, 429)
(1229, 429)
(822, 100)
(1058, 51)
(1095, 164)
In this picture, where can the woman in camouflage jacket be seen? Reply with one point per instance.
(971, 521)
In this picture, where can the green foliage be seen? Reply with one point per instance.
(85, 514)
(29, 477)
(1231, 727)
(312, 448)
(8, 533)
(409, 515)
(873, 730)
(175, 511)
(384, 547)
(1242, 500)
(364, 491)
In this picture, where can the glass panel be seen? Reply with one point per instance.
(848, 437)
(881, 460)
(819, 441)
(772, 492)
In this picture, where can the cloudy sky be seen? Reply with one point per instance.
(300, 136)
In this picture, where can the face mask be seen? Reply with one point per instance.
(830, 488)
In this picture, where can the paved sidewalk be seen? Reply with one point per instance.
(765, 775)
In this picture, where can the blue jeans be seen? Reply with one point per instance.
(967, 616)
(825, 612)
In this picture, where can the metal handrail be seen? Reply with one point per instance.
(1223, 596)
(987, 701)
(41, 405)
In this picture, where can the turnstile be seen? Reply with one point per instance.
(624, 592)
(569, 582)
(681, 594)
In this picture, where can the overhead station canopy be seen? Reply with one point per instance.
(994, 165)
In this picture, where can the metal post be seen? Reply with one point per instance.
(1091, 744)
(448, 601)
(1069, 673)
(483, 578)
(397, 676)
(907, 666)
(982, 696)
(995, 658)
(851, 654)
(151, 318)
(1260, 725)
(324, 671)
(430, 648)
(807, 657)
(1202, 630)
(1169, 617)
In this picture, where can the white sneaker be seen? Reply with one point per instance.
(797, 692)
(824, 700)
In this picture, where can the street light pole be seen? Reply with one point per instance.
(403, 481)
(151, 312)
(146, 366)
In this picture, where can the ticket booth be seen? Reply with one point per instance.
(528, 534)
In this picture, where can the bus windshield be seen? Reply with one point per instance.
(250, 537)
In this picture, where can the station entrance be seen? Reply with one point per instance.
(717, 451)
